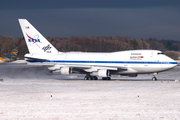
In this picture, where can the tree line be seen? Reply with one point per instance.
(94, 44)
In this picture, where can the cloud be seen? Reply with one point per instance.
(93, 22)
(62, 4)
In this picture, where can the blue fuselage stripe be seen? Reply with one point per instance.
(119, 62)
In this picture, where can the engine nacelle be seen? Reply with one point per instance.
(63, 71)
(58, 71)
(101, 73)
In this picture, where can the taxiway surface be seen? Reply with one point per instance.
(33, 93)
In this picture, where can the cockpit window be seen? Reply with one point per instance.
(160, 53)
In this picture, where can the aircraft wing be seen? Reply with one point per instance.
(90, 69)
(83, 69)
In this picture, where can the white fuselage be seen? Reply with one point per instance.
(136, 61)
(129, 63)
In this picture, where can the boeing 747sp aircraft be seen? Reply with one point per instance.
(93, 64)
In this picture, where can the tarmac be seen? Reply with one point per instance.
(33, 93)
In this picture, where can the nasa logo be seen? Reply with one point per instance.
(32, 39)
(46, 48)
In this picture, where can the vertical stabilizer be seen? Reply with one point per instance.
(36, 43)
(13, 54)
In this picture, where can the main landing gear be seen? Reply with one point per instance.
(95, 78)
(106, 78)
(90, 78)
(154, 77)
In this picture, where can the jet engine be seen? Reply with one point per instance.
(101, 73)
(63, 71)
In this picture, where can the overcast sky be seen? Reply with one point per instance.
(93, 18)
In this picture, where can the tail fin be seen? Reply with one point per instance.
(13, 54)
(36, 43)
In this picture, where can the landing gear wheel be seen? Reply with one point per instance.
(154, 78)
(90, 78)
(106, 78)
(94, 78)
(87, 78)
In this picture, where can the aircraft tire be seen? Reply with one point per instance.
(154, 78)
(85, 78)
(95, 78)
(106, 78)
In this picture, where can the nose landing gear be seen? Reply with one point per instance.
(154, 77)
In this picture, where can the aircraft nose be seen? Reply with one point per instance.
(173, 64)
(170, 64)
